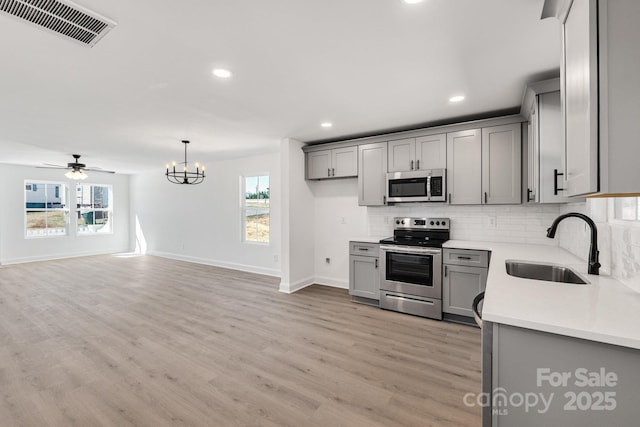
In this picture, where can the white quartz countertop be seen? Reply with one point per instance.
(604, 310)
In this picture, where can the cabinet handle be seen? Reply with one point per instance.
(449, 198)
(333, 171)
(555, 182)
(485, 197)
(411, 164)
(363, 249)
(468, 258)
(529, 192)
(329, 172)
(384, 200)
(445, 271)
(417, 164)
(376, 262)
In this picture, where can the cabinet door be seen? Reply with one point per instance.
(459, 286)
(502, 164)
(533, 182)
(402, 155)
(372, 171)
(431, 152)
(579, 80)
(364, 277)
(551, 148)
(344, 162)
(319, 164)
(464, 168)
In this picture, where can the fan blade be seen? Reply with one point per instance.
(97, 170)
(53, 167)
(51, 164)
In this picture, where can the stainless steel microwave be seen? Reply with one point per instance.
(427, 185)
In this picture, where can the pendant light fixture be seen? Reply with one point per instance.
(183, 175)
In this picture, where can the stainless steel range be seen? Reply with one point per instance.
(411, 270)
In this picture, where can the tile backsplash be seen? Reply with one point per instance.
(618, 241)
(496, 223)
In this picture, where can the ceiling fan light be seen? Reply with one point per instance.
(76, 175)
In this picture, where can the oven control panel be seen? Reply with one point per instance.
(421, 223)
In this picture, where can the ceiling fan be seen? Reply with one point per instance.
(76, 169)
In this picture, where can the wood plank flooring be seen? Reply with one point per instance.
(147, 341)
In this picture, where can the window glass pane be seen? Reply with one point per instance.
(56, 222)
(256, 209)
(626, 208)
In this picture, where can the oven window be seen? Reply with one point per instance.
(410, 268)
(414, 187)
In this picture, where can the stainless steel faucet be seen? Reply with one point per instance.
(594, 265)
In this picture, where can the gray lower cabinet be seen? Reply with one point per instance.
(464, 277)
(544, 379)
(364, 272)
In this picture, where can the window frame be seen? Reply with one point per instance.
(78, 211)
(612, 219)
(243, 208)
(34, 183)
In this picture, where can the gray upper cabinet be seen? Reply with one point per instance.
(335, 163)
(545, 143)
(600, 86)
(464, 167)
(431, 152)
(402, 155)
(424, 152)
(579, 72)
(502, 164)
(372, 170)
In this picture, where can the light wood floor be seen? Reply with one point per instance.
(146, 341)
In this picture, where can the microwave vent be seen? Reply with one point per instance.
(62, 17)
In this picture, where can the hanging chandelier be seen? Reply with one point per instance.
(185, 176)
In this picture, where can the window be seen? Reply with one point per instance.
(94, 209)
(255, 209)
(46, 211)
(626, 208)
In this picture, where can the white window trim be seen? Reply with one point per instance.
(611, 216)
(66, 210)
(76, 210)
(243, 208)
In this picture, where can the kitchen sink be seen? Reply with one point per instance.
(548, 272)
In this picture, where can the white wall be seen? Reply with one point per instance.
(298, 220)
(14, 247)
(202, 223)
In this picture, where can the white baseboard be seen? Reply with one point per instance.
(333, 282)
(38, 258)
(289, 288)
(217, 263)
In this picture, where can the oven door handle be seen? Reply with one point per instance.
(411, 250)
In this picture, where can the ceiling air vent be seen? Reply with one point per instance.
(63, 17)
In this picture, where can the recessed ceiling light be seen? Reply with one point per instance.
(326, 124)
(412, 1)
(222, 73)
(456, 98)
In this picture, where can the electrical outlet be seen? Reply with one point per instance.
(276, 258)
(491, 222)
(343, 220)
(327, 260)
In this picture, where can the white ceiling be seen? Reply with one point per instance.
(365, 65)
